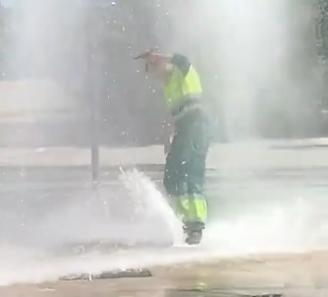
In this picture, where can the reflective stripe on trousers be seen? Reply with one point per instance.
(192, 208)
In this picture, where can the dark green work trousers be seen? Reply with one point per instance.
(186, 164)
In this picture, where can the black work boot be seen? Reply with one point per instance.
(194, 232)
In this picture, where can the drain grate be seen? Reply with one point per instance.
(131, 273)
(265, 295)
(215, 293)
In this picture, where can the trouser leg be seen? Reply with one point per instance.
(185, 171)
(196, 167)
(185, 174)
(175, 175)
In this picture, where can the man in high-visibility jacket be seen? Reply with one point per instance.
(186, 161)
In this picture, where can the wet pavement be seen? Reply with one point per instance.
(284, 275)
(279, 204)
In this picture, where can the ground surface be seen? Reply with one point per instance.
(266, 199)
(291, 275)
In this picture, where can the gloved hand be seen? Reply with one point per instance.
(145, 55)
(153, 58)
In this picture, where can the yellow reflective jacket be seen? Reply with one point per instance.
(182, 85)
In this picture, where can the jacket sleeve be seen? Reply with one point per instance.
(182, 62)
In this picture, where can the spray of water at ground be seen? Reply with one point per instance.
(153, 234)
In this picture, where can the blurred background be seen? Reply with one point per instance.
(263, 66)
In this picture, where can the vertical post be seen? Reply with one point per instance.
(92, 97)
(94, 139)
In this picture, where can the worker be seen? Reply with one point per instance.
(185, 166)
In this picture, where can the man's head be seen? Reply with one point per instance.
(157, 64)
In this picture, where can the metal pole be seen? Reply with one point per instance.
(94, 140)
(92, 96)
